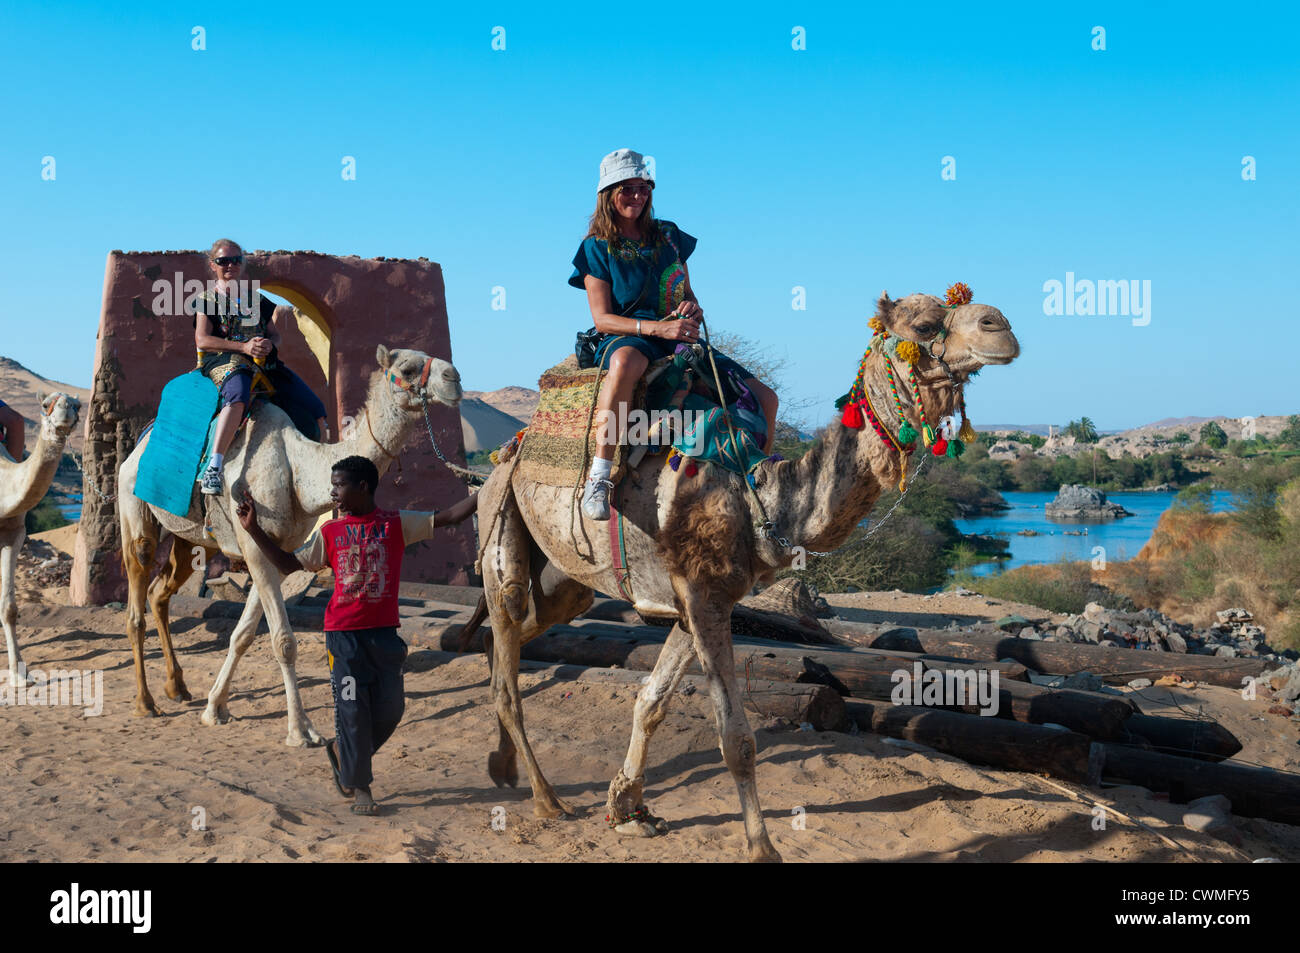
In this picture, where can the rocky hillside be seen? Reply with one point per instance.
(518, 402)
(19, 387)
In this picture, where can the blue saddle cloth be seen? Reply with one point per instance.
(179, 437)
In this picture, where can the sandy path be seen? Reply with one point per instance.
(115, 787)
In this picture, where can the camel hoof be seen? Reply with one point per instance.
(764, 854)
(177, 692)
(641, 828)
(503, 770)
(218, 716)
(304, 737)
(557, 808)
(146, 709)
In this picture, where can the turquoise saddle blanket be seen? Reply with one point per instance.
(178, 443)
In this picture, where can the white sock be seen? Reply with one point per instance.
(216, 460)
(601, 468)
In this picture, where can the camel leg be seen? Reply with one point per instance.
(11, 541)
(138, 556)
(217, 712)
(625, 791)
(165, 585)
(711, 625)
(283, 643)
(519, 612)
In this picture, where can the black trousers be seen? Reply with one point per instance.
(369, 696)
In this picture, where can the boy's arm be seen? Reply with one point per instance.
(285, 562)
(418, 526)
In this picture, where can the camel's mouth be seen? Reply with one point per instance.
(990, 357)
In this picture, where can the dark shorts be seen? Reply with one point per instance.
(657, 348)
(292, 396)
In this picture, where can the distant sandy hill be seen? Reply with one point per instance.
(485, 427)
(518, 402)
(18, 388)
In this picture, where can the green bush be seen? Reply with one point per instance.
(1212, 436)
(1063, 587)
(44, 515)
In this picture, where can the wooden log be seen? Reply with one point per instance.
(864, 674)
(1254, 792)
(1189, 737)
(1117, 666)
(992, 741)
(817, 705)
(745, 621)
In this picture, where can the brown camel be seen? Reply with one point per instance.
(288, 476)
(695, 547)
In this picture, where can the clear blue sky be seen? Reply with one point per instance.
(819, 168)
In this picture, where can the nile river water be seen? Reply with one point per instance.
(1121, 538)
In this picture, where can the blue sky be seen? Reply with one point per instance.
(817, 168)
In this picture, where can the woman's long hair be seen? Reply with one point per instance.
(604, 221)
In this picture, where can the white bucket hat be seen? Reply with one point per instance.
(624, 164)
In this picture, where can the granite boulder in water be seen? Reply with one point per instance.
(1076, 502)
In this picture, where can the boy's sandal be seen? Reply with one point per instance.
(369, 809)
(336, 770)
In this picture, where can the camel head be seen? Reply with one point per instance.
(964, 338)
(58, 414)
(418, 378)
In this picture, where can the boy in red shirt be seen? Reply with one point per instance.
(364, 548)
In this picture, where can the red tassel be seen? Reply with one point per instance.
(852, 416)
(691, 469)
(940, 447)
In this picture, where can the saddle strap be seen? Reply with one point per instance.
(618, 550)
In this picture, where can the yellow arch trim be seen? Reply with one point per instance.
(315, 329)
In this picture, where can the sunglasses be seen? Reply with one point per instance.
(629, 190)
(229, 260)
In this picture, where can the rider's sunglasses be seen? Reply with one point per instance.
(628, 191)
(229, 260)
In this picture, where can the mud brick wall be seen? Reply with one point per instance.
(362, 302)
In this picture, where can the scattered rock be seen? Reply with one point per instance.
(1009, 622)
(1140, 683)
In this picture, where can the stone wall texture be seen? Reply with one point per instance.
(145, 340)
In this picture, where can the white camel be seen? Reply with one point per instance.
(289, 478)
(22, 486)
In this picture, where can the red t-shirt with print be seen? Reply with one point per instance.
(365, 553)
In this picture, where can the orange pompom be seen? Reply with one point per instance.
(959, 293)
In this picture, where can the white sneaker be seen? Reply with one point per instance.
(210, 482)
(595, 499)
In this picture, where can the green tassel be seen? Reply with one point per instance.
(927, 434)
(841, 401)
(906, 433)
(956, 448)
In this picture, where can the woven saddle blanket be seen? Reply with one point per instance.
(560, 442)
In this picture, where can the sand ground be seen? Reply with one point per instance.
(116, 787)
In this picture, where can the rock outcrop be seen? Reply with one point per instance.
(1077, 502)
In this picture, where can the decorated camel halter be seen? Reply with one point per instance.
(418, 391)
(856, 403)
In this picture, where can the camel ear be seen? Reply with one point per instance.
(885, 309)
(381, 355)
(42, 397)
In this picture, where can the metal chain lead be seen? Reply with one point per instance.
(879, 523)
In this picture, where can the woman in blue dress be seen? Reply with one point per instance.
(633, 268)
